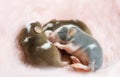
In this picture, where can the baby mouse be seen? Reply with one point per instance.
(37, 49)
(55, 24)
(86, 51)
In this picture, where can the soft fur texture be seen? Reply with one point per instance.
(102, 17)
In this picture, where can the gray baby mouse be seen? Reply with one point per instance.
(86, 51)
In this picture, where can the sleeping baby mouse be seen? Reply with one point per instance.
(37, 49)
(55, 24)
(86, 51)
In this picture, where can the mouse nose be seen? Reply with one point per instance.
(52, 37)
(48, 33)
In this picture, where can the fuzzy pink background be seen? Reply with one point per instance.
(101, 16)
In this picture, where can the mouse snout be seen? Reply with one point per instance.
(48, 33)
(53, 37)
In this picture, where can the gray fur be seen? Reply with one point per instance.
(82, 39)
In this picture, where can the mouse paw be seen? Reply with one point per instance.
(80, 67)
(58, 45)
(75, 59)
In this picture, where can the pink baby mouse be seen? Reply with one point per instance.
(86, 51)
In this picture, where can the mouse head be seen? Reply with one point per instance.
(34, 32)
(33, 28)
(63, 34)
(66, 33)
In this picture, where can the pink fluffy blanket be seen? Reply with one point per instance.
(101, 16)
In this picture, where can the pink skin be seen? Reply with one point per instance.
(52, 36)
(70, 48)
(101, 16)
(78, 66)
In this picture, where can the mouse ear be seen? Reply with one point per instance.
(36, 24)
(71, 31)
(37, 29)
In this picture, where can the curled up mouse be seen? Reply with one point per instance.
(86, 52)
(37, 49)
(55, 24)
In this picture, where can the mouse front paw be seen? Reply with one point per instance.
(80, 67)
(58, 45)
(75, 59)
